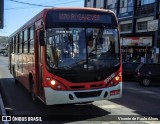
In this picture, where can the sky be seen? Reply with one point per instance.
(17, 14)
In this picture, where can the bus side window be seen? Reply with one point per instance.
(26, 41)
(11, 48)
(20, 42)
(23, 42)
(31, 40)
(14, 45)
(17, 43)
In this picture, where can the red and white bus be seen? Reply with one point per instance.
(68, 55)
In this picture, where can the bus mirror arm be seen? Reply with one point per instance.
(41, 38)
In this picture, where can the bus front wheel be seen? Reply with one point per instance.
(32, 90)
(14, 75)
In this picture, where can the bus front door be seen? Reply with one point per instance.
(39, 67)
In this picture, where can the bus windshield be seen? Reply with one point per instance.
(82, 48)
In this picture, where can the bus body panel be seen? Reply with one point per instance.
(24, 64)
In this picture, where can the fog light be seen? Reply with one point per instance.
(111, 83)
(59, 87)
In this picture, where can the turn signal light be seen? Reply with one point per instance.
(115, 80)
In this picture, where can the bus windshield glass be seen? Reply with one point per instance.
(82, 48)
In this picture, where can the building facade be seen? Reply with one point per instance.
(139, 23)
(3, 42)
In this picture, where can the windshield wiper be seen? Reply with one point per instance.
(99, 37)
(70, 38)
(99, 34)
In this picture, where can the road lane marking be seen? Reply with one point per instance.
(148, 92)
(109, 106)
(126, 111)
(142, 90)
(151, 122)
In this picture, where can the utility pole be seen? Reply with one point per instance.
(1, 13)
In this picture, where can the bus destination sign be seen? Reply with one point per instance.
(82, 18)
(79, 17)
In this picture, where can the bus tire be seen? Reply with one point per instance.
(16, 81)
(32, 89)
(14, 75)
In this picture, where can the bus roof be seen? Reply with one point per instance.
(43, 13)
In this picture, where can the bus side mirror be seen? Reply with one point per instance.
(41, 38)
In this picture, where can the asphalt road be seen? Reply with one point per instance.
(136, 100)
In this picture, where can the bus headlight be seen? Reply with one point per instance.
(53, 82)
(56, 85)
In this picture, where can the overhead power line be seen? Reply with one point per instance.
(16, 8)
(38, 5)
(31, 4)
(24, 7)
(52, 1)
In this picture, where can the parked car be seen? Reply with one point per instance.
(147, 74)
(5, 54)
(128, 70)
(1, 52)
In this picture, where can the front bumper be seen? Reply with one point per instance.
(53, 97)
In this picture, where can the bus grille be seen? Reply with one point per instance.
(88, 94)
